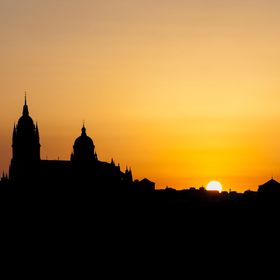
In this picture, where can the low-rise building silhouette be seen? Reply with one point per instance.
(269, 191)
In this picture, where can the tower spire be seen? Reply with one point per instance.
(25, 107)
(83, 129)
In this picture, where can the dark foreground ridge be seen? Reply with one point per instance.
(134, 206)
(140, 228)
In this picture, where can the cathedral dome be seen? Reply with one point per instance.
(83, 147)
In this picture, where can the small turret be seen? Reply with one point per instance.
(37, 137)
(14, 133)
(128, 175)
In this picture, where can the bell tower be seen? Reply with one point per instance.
(26, 139)
(25, 148)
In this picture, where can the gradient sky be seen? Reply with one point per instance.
(183, 92)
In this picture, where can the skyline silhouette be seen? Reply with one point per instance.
(84, 189)
(189, 88)
(135, 108)
(85, 169)
(26, 150)
(32, 150)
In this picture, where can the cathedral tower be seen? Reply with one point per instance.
(26, 140)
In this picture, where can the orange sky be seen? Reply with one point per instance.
(183, 92)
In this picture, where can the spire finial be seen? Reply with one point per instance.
(83, 128)
(25, 107)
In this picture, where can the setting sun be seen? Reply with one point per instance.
(214, 186)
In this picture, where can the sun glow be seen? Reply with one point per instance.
(214, 186)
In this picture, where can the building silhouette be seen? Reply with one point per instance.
(269, 192)
(26, 142)
(83, 169)
(83, 149)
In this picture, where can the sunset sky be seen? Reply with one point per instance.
(183, 92)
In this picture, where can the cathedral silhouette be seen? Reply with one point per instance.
(83, 169)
